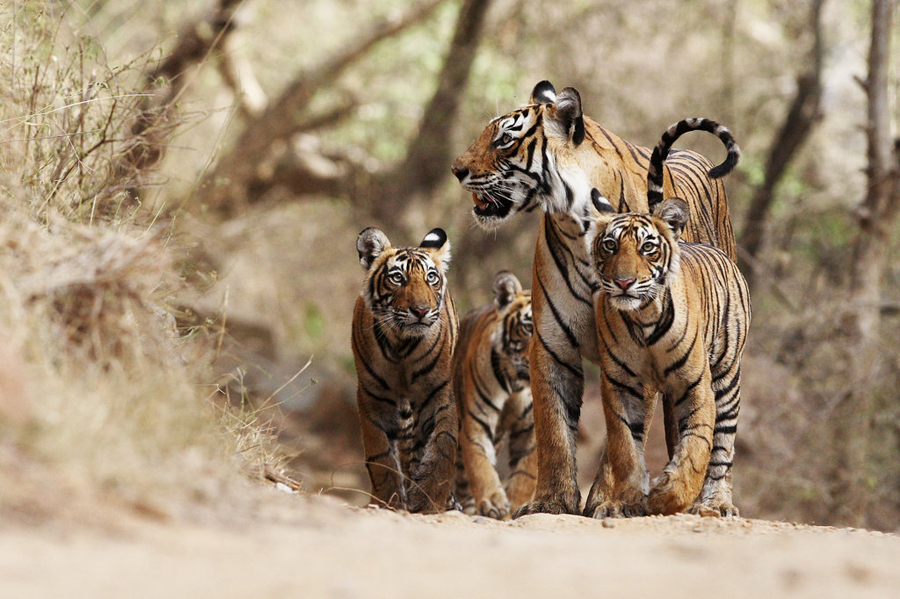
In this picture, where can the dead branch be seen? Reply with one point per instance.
(238, 75)
(273, 475)
(155, 121)
(876, 215)
(226, 186)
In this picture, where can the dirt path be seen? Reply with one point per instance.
(316, 547)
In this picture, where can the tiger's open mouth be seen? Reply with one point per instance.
(487, 206)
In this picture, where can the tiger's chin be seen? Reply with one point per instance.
(626, 303)
(404, 329)
(415, 329)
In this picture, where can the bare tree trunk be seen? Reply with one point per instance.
(799, 122)
(429, 156)
(729, 70)
(876, 215)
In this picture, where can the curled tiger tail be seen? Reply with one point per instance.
(661, 152)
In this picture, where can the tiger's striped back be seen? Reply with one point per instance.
(404, 333)
(548, 155)
(655, 178)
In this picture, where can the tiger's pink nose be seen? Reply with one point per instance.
(419, 311)
(624, 284)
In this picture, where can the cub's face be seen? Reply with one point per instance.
(405, 287)
(515, 327)
(633, 259)
(635, 255)
(514, 337)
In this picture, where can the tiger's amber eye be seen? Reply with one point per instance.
(504, 139)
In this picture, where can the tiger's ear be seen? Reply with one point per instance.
(370, 244)
(674, 212)
(601, 203)
(569, 114)
(607, 213)
(506, 288)
(543, 93)
(436, 239)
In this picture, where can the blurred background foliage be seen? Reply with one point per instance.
(268, 226)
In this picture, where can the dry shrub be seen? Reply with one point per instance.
(99, 384)
(796, 387)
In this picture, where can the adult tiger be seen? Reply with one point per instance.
(675, 316)
(548, 155)
(493, 392)
(404, 333)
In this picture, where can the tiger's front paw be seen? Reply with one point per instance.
(617, 509)
(495, 506)
(669, 495)
(724, 510)
(547, 505)
(430, 499)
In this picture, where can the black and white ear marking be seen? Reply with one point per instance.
(600, 203)
(436, 241)
(370, 244)
(675, 213)
(543, 93)
(506, 288)
(571, 115)
(435, 238)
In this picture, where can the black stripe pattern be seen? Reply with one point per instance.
(672, 317)
(403, 336)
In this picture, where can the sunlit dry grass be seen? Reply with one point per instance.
(97, 382)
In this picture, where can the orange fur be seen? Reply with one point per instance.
(404, 333)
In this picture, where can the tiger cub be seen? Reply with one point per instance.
(493, 391)
(674, 316)
(404, 333)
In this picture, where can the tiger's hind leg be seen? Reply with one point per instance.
(682, 478)
(596, 505)
(462, 490)
(557, 386)
(477, 435)
(620, 488)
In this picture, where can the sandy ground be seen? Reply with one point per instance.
(297, 546)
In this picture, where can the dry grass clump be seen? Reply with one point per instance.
(96, 382)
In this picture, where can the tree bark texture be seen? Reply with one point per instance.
(798, 124)
(876, 215)
(429, 154)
